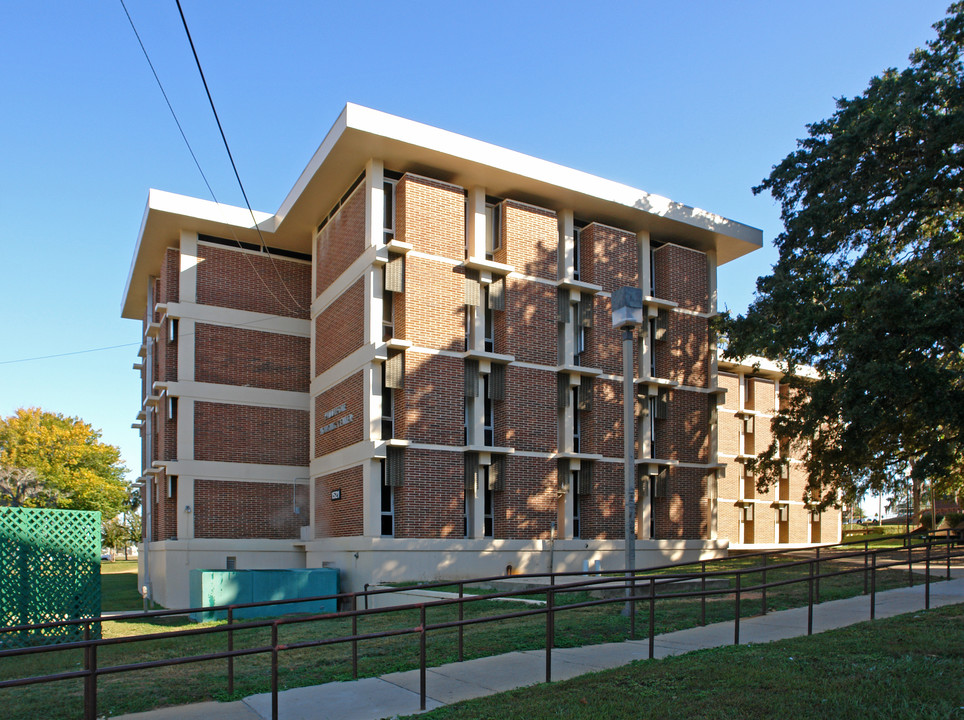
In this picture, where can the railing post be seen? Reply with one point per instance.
(90, 681)
(274, 670)
(948, 544)
(736, 624)
(866, 561)
(230, 649)
(764, 584)
(910, 560)
(421, 657)
(703, 592)
(817, 581)
(810, 601)
(550, 630)
(927, 575)
(632, 607)
(873, 585)
(461, 617)
(652, 616)
(354, 640)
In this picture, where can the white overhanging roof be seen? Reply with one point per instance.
(360, 134)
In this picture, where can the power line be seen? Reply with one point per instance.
(75, 352)
(214, 196)
(224, 139)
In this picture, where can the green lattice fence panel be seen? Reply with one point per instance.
(50, 562)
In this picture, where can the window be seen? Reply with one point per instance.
(387, 502)
(388, 192)
(576, 424)
(388, 408)
(652, 426)
(487, 332)
(388, 315)
(493, 229)
(652, 273)
(487, 528)
(576, 502)
(172, 330)
(652, 348)
(171, 408)
(488, 430)
(576, 235)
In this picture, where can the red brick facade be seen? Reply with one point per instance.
(250, 434)
(227, 509)
(343, 517)
(245, 280)
(235, 356)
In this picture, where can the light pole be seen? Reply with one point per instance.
(627, 315)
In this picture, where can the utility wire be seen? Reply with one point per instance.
(75, 352)
(224, 139)
(214, 196)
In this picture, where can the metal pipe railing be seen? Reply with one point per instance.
(815, 571)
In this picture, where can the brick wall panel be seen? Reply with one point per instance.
(343, 517)
(531, 327)
(528, 505)
(349, 393)
(235, 356)
(530, 418)
(341, 241)
(430, 215)
(229, 509)
(614, 258)
(430, 409)
(252, 281)
(530, 239)
(431, 503)
(683, 513)
(340, 328)
(250, 434)
(682, 276)
(433, 305)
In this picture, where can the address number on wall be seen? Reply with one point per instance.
(336, 494)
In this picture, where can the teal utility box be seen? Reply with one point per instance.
(210, 588)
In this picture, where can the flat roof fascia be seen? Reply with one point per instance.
(165, 216)
(362, 133)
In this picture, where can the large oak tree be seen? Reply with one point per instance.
(869, 286)
(70, 466)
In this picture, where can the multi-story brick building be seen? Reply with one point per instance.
(409, 371)
(778, 516)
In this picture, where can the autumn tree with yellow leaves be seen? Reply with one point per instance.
(64, 462)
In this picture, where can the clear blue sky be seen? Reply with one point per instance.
(694, 101)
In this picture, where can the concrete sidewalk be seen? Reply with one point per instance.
(398, 693)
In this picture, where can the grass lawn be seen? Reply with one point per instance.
(146, 689)
(118, 586)
(906, 667)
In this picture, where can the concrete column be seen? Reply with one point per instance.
(185, 500)
(374, 203)
(475, 502)
(475, 230)
(567, 245)
(187, 280)
(372, 489)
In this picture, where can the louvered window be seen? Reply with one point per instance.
(586, 477)
(395, 273)
(585, 393)
(471, 377)
(395, 471)
(497, 294)
(497, 473)
(497, 382)
(562, 309)
(562, 390)
(662, 324)
(473, 290)
(661, 405)
(395, 370)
